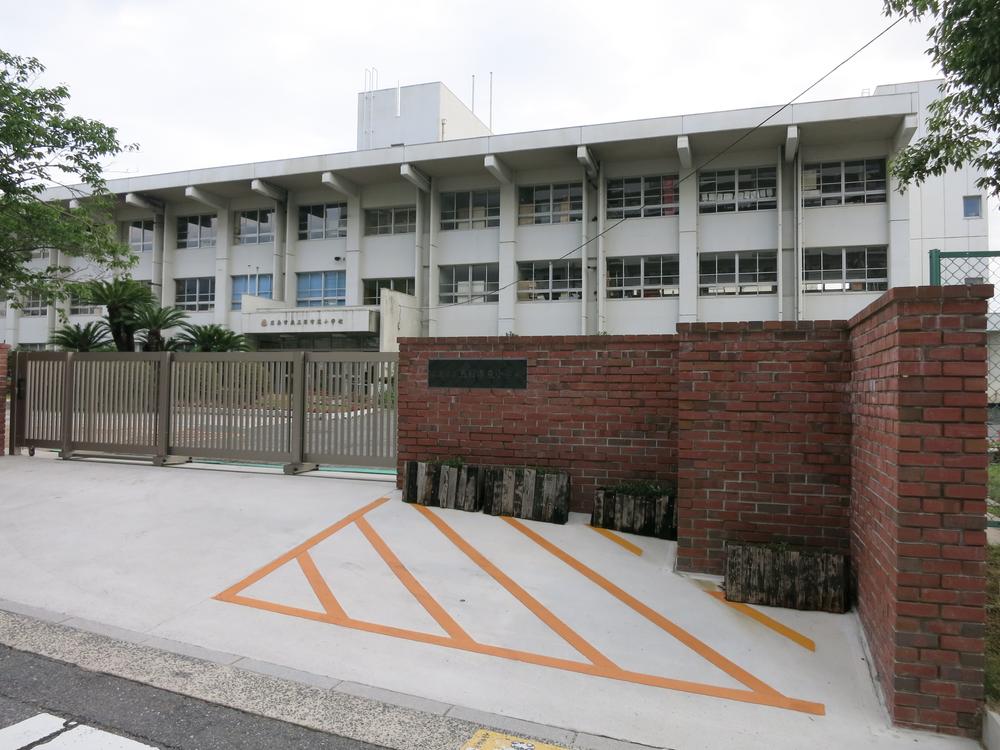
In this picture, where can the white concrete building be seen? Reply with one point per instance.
(624, 227)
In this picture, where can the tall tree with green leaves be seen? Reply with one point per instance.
(41, 145)
(152, 321)
(122, 298)
(963, 126)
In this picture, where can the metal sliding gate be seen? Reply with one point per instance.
(300, 409)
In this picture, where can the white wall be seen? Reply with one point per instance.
(556, 318)
(641, 316)
(468, 320)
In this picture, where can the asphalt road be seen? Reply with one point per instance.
(32, 684)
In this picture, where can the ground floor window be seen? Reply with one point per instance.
(549, 280)
(643, 276)
(374, 287)
(474, 283)
(33, 307)
(195, 294)
(256, 284)
(845, 269)
(745, 272)
(321, 289)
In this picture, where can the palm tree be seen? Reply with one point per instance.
(153, 320)
(93, 337)
(121, 297)
(211, 338)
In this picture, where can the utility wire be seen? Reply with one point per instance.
(690, 174)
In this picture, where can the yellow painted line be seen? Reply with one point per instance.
(768, 622)
(484, 739)
(618, 540)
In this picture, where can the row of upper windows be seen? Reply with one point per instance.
(751, 272)
(719, 191)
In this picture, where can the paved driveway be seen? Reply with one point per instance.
(560, 625)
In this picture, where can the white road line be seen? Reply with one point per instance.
(38, 727)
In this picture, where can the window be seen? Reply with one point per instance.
(729, 190)
(550, 204)
(195, 294)
(549, 280)
(40, 253)
(845, 269)
(33, 307)
(834, 183)
(477, 209)
(78, 307)
(323, 222)
(972, 206)
(257, 284)
(475, 284)
(321, 289)
(196, 231)
(374, 287)
(139, 235)
(646, 276)
(748, 272)
(642, 196)
(398, 220)
(255, 227)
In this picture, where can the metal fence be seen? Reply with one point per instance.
(979, 267)
(300, 409)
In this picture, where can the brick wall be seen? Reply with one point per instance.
(764, 437)
(918, 499)
(4, 349)
(603, 407)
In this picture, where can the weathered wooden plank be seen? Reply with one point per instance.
(780, 576)
(646, 516)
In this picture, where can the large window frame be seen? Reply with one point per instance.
(321, 289)
(77, 306)
(254, 226)
(737, 190)
(197, 231)
(196, 294)
(843, 183)
(643, 277)
(555, 203)
(33, 307)
(255, 284)
(470, 209)
(323, 221)
(845, 269)
(373, 288)
(738, 273)
(549, 280)
(651, 195)
(469, 283)
(392, 220)
(138, 234)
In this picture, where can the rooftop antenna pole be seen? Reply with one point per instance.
(491, 101)
(364, 109)
(371, 106)
(473, 93)
(397, 98)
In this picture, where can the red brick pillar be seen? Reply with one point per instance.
(918, 481)
(4, 350)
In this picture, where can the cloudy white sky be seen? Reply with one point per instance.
(214, 82)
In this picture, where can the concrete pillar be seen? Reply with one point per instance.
(223, 281)
(433, 277)
(51, 311)
(13, 324)
(419, 262)
(286, 234)
(168, 291)
(688, 245)
(602, 263)
(508, 259)
(355, 231)
(584, 252)
(156, 270)
(899, 236)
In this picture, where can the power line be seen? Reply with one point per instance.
(690, 174)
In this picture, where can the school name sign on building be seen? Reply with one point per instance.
(316, 320)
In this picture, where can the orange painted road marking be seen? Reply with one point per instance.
(598, 665)
(770, 622)
(634, 549)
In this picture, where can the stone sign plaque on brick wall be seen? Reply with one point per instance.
(477, 373)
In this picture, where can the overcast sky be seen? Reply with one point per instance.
(213, 82)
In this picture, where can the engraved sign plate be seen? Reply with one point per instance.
(477, 373)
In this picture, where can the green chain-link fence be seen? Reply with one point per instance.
(981, 267)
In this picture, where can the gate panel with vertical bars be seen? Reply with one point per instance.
(295, 408)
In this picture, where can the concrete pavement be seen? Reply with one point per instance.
(457, 620)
